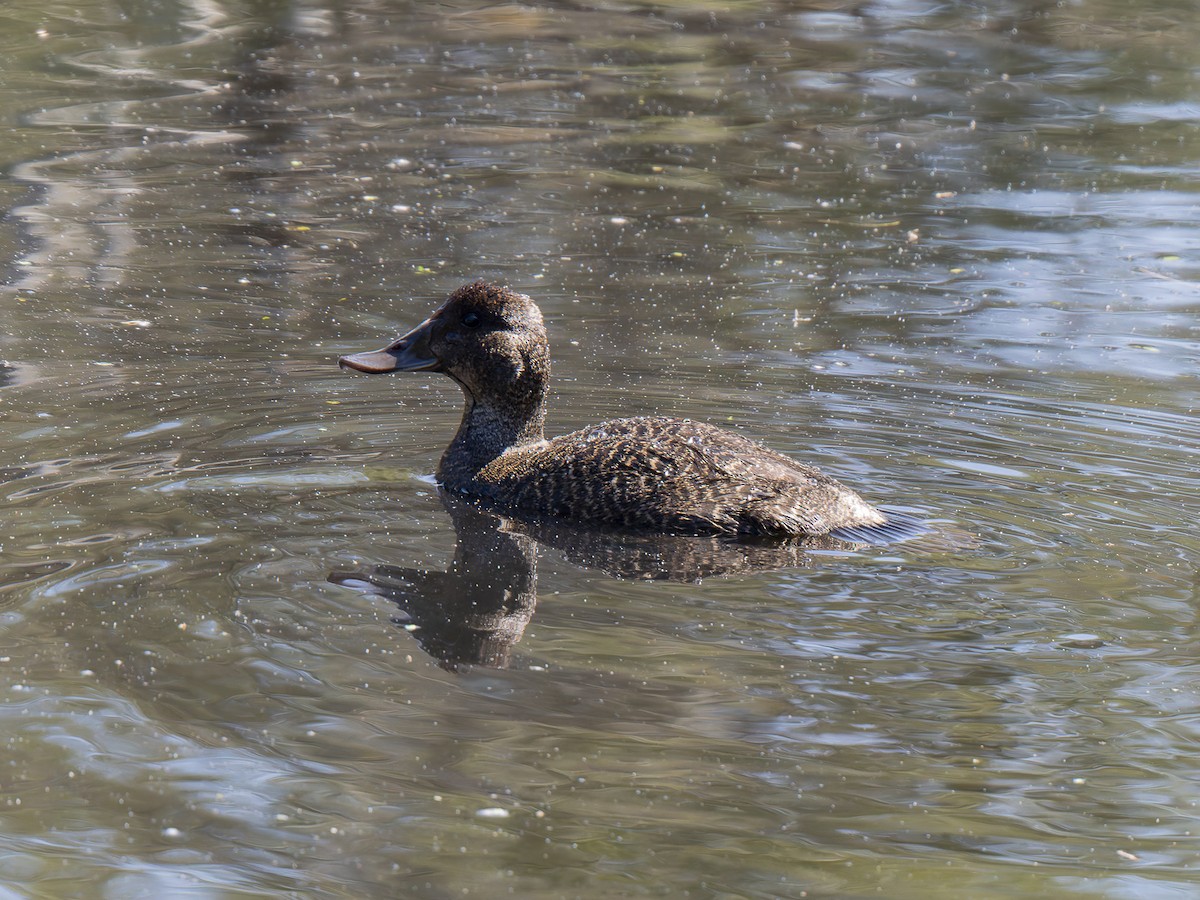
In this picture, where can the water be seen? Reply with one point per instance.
(948, 253)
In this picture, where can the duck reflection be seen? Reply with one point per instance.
(12, 373)
(477, 609)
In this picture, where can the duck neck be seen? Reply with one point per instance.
(487, 430)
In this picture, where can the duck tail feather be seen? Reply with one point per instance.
(898, 527)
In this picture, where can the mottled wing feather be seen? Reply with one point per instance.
(673, 474)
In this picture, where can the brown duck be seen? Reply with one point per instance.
(650, 473)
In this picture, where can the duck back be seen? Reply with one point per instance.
(670, 475)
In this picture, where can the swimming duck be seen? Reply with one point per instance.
(647, 473)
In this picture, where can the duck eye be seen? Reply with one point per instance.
(471, 320)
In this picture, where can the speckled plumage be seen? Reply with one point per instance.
(651, 473)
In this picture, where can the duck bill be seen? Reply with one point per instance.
(409, 353)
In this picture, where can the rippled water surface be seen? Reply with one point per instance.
(947, 252)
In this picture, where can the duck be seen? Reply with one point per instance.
(647, 473)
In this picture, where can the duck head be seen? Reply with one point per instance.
(492, 341)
